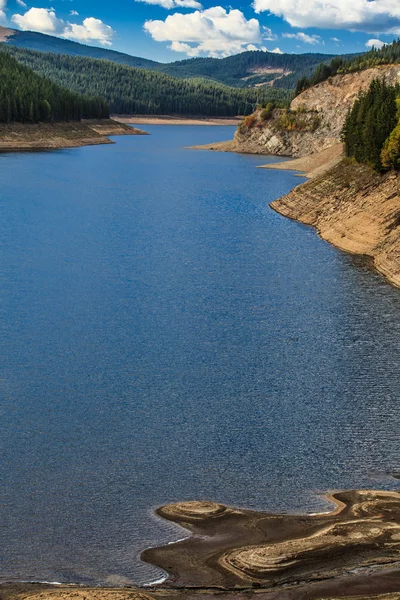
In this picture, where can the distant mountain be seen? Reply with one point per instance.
(48, 43)
(245, 70)
(250, 69)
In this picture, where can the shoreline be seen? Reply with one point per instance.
(56, 136)
(354, 209)
(349, 205)
(171, 120)
(351, 551)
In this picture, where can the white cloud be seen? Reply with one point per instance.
(3, 18)
(212, 32)
(45, 20)
(303, 37)
(91, 30)
(375, 44)
(73, 13)
(335, 39)
(39, 19)
(361, 15)
(22, 3)
(168, 4)
(276, 51)
(267, 34)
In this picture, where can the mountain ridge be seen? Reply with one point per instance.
(247, 69)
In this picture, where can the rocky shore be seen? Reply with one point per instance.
(42, 136)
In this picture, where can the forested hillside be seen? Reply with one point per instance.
(242, 70)
(250, 68)
(32, 40)
(371, 132)
(28, 97)
(139, 91)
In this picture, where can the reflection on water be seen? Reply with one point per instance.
(165, 336)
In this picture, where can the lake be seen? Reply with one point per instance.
(166, 336)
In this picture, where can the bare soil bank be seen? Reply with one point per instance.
(170, 120)
(19, 136)
(313, 164)
(355, 209)
(234, 554)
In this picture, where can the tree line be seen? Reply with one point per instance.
(28, 97)
(387, 55)
(371, 133)
(129, 90)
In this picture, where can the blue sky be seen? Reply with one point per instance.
(167, 30)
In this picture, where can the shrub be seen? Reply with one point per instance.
(267, 112)
(390, 155)
(250, 121)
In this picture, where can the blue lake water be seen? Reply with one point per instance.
(166, 336)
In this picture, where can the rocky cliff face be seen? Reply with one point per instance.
(355, 209)
(316, 118)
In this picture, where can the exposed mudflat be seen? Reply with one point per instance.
(21, 136)
(352, 551)
(172, 120)
(233, 548)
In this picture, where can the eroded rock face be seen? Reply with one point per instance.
(329, 102)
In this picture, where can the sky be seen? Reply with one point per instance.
(168, 30)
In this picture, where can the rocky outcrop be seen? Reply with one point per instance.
(316, 117)
(355, 209)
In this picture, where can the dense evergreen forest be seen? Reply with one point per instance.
(250, 68)
(388, 55)
(33, 40)
(246, 69)
(139, 91)
(371, 133)
(28, 97)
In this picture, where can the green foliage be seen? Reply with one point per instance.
(28, 97)
(299, 120)
(249, 68)
(268, 111)
(390, 155)
(387, 55)
(33, 40)
(369, 123)
(129, 90)
(246, 69)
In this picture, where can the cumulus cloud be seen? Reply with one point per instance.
(91, 30)
(276, 51)
(375, 44)
(212, 32)
(361, 15)
(168, 4)
(73, 13)
(45, 20)
(303, 37)
(39, 19)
